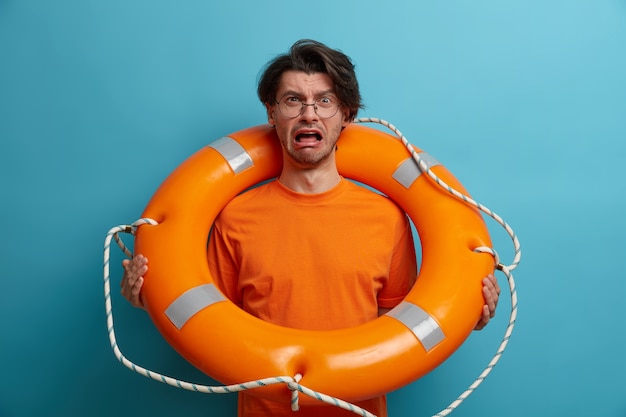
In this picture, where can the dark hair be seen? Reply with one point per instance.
(312, 57)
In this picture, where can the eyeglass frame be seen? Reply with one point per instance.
(303, 105)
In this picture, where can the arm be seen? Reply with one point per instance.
(403, 270)
(223, 264)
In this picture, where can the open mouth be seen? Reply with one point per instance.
(308, 137)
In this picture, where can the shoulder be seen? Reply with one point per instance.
(371, 202)
(249, 201)
(251, 194)
(364, 193)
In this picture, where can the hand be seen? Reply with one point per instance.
(132, 281)
(491, 293)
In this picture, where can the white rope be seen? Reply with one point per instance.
(291, 382)
(424, 168)
(506, 269)
(505, 341)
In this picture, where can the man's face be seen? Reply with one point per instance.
(307, 139)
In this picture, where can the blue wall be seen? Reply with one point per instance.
(524, 100)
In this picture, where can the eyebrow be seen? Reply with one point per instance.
(320, 94)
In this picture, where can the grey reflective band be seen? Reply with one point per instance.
(236, 156)
(409, 170)
(191, 302)
(419, 322)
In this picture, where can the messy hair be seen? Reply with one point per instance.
(312, 57)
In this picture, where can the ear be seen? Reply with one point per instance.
(270, 114)
(346, 118)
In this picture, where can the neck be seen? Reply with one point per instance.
(309, 181)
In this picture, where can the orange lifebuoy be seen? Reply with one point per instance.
(355, 363)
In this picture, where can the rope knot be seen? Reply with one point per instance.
(294, 386)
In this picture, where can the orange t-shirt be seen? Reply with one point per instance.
(312, 261)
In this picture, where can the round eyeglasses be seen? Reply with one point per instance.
(291, 107)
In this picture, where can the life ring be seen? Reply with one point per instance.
(353, 364)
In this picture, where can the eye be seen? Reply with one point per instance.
(292, 101)
(325, 102)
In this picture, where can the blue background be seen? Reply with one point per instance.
(524, 100)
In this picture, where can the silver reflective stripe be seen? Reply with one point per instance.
(191, 302)
(236, 156)
(419, 322)
(409, 170)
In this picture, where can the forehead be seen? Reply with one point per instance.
(304, 84)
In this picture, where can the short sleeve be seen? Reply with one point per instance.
(223, 265)
(403, 269)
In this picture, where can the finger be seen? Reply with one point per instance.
(484, 319)
(125, 264)
(137, 267)
(137, 262)
(132, 281)
(136, 293)
(491, 300)
(133, 292)
(494, 281)
(487, 315)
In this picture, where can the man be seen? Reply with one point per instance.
(310, 250)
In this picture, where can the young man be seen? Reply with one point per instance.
(310, 250)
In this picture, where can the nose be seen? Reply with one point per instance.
(308, 112)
